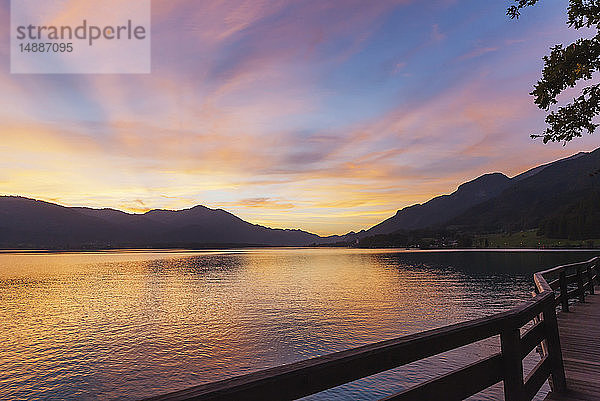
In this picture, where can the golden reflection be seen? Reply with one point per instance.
(130, 323)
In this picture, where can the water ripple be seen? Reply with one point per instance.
(124, 325)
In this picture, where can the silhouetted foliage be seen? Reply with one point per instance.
(563, 68)
(423, 239)
(578, 221)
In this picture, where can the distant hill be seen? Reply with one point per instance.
(528, 201)
(29, 223)
(494, 202)
(443, 208)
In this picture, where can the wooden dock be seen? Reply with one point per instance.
(580, 342)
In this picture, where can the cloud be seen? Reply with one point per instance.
(399, 67)
(266, 203)
(510, 42)
(436, 34)
(479, 51)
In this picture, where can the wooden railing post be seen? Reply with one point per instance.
(510, 340)
(562, 278)
(580, 287)
(557, 368)
(590, 277)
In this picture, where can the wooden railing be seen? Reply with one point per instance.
(297, 380)
(569, 281)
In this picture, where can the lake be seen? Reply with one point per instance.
(131, 324)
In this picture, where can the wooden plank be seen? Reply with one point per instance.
(579, 333)
(532, 338)
(536, 379)
(554, 284)
(564, 292)
(553, 346)
(565, 267)
(580, 284)
(512, 362)
(457, 385)
(590, 280)
(574, 293)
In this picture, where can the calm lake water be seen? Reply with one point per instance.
(123, 325)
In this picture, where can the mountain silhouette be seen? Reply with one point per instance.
(531, 198)
(494, 202)
(29, 223)
(443, 208)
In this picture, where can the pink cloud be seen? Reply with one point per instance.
(479, 51)
(436, 34)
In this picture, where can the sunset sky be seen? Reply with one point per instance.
(322, 115)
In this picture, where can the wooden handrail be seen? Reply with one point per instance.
(568, 275)
(300, 379)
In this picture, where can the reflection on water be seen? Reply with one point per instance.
(134, 324)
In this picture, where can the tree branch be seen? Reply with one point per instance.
(564, 67)
(573, 119)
